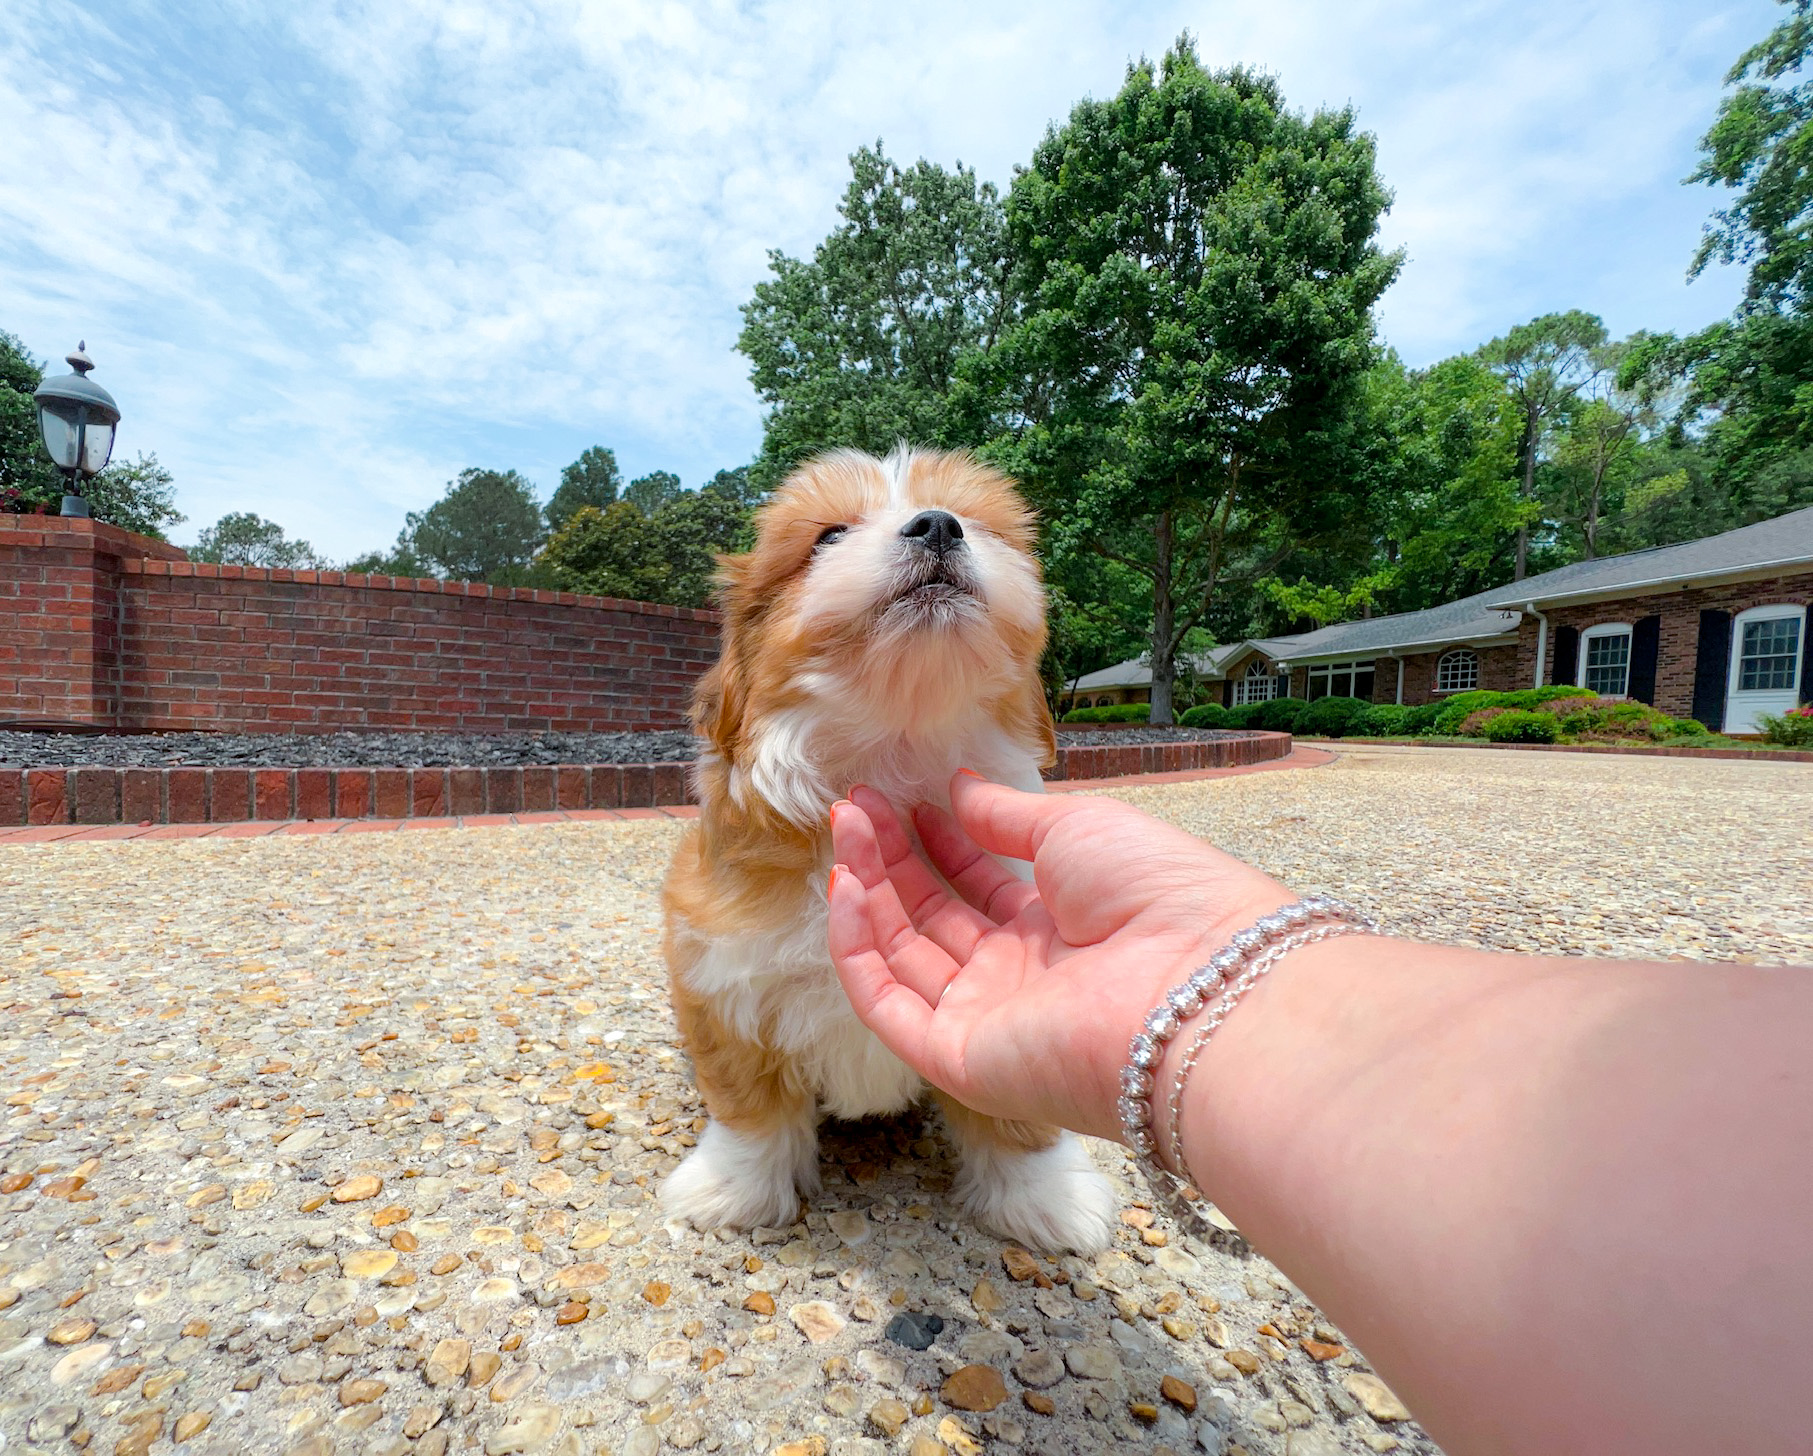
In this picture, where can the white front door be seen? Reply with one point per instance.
(1766, 647)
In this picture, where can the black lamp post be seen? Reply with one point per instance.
(76, 417)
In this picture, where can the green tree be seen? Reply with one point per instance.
(591, 480)
(28, 481)
(859, 345)
(1544, 365)
(1197, 267)
(487, 527)
(614, 552)
(400, 560)
(1599, 451)
(137, 495)
(649, 493)
(241, 538)
(1759, 145)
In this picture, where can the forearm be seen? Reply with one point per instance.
(1522, 1184)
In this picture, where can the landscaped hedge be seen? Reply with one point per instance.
(1792, 729)
(1207, 715)
(1111, 713)
(1555, 714)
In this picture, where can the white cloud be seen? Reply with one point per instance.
(327, 256)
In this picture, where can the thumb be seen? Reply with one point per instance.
(1006, 821)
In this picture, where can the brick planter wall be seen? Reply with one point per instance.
(104, 628)
(44, 796)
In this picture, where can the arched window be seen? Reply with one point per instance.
(1258, 685)
(1458, 671)
(1605, 659)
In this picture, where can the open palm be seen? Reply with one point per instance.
(1019, 999)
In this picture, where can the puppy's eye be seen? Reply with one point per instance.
(828, 535)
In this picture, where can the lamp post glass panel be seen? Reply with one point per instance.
(76, 417)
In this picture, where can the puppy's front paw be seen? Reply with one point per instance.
(1052, 1199)
(737, 1180)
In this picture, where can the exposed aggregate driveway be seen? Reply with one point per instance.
(349, 1145)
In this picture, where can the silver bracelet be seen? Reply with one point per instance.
(1233, 971)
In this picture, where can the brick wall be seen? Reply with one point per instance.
(1680, 613)
(102, 627)
(1498, 668)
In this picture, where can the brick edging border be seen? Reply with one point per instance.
(38, 797)
(1631, 750)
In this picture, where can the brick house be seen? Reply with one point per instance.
(1716, 629)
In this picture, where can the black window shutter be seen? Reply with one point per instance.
(1567, 653)
(1645, 650)
(1806, 658)
(1227, 693)
(1711, 663)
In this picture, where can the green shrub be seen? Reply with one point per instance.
(1520, 725)
(1792, 729)
(1474, 724)
(1111, 713)
(1421, 719)
(1382, 720)
(1458, 707)
(1280, 715)
(1690, 728)
(1245, 716)
(1331, 717)
(1206, 715)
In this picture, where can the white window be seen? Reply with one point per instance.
(1259, 685)
(1605, 659)
(1769, 655)
(1341, 680)
(1458, 671)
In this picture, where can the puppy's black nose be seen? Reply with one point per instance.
(939, 531)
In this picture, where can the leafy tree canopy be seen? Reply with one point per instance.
(1758, 146)
(241, 538)
(591, 480)
(649, 493)
(487, 527)
(858, 346)
(137, 495)
(1196, 267)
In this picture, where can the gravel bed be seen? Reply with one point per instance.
(348, 1145)
(412, 750)
(1118, 737)
(341, 750)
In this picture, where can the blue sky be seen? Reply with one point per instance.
(327, 255)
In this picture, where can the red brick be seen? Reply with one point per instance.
(314, 793)
(570, 787)
(390, 793)
(638, 786)
(186, 795)
(94, 795)
(47, 796)
(670, 783)
(351, 793)
(537, 790)
(274, 793)
(229, 795)
(503, 790)
(465, 791)
(142, 795)
(606, 786)
(429, 795)
(12, 797)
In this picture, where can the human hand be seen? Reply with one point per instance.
(1019, 999)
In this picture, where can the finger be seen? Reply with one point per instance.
(918, 961)
(1007, 821)
(927, 902)
(973, 872)
(897, 1015)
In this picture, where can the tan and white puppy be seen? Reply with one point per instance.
(885, 630)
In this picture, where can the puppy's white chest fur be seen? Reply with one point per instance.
(779, 988)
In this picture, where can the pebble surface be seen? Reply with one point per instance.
(349, 1145)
